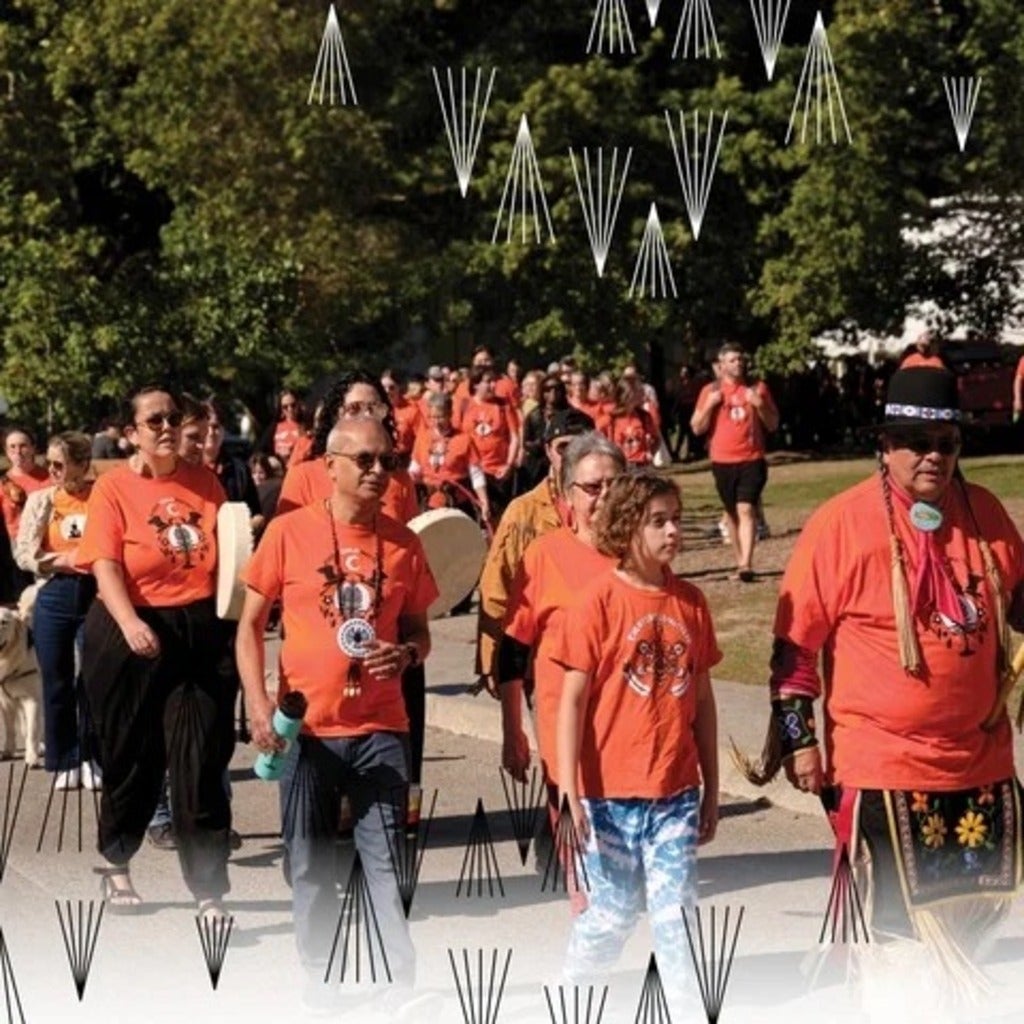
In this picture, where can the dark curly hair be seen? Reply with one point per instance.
(333, 402)
(622, 513)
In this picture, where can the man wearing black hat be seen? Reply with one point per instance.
(532, 514)
(908, 582)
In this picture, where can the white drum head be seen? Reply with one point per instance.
(455, 550)
(234, 549)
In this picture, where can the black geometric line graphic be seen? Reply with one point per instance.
(308, 804)
(80, 935)
(214, 936)
(12, 1001)
(10, 819)
(359, 919)
(480, 858)
(712, 963)
(79, 799)
(475, 1008)
(407, 843)
(524, 805)
(844, 916)
(587, 1013)
(566, 856)
(653, 1006)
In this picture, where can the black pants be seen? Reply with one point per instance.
(414, 693)
(174, 712)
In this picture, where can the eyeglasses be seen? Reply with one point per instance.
(924, 444)
(351, 410)
(594, 488)
(158, 419)
(54, 464)
(365, 461)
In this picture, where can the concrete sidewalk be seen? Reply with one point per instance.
(742, 713)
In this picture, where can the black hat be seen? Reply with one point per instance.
(567, 423)
(920, 395)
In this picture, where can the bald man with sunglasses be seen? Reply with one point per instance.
(355, 587)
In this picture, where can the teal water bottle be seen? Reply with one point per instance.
(287, 722)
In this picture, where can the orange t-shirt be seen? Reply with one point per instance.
(296, 562)
(736, 433)
(642, 650)
(885, 729)
(162, 530)
(917, 359)
(595, 410)
(28, 482)
(491, 426)
(308, 482)
(408, 422)
(67, 520)
(555, 568)
(635, 434)
(444, 459)
(300, 453)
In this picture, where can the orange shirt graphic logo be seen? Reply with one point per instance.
(974, 617)
(178, 531)
(482, 428)
(348, 596)
(660, 646)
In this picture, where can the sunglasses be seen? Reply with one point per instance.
(289, 405)
(54, 464)
(354, 409)
(365, 461)
(158, 419)
(923, 444)
(593, 489)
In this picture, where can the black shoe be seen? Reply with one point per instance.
(162, 836)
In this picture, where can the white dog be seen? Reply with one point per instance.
(21, 687)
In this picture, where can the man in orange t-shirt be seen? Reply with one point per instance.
(905, 583)
(355, 588)
(737, 414)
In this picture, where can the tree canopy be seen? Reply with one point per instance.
(172, 208)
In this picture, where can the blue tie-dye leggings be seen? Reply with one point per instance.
(637, 849)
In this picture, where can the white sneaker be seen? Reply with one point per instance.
(92, 775)
(70, 779)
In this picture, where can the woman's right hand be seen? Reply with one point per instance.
(141, 639)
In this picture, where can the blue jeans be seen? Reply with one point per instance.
(57, 633)
(639, 851)
(372, 770)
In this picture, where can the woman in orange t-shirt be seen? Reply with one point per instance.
(149, 659)
(555, 568)
(637, 734)
(630, 426)
(492, 424)
(51, 527)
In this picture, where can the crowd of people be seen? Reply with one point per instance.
(894, 612)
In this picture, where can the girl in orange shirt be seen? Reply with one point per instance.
(150, 653)
(637, 734)
(51, 527)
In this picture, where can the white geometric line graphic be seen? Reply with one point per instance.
(600, 210)
(699, 30)
(653, 268)
(697, 166)
(962, 97)
(770, 21)
(463, 138)
(524, 177)
(332, 72)
(819, 73)
(611, 21)
(653, 6)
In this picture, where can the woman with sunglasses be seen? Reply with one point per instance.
(288, 428)
(555, 567)
(553, 397)
(149, 661)
(48, 537)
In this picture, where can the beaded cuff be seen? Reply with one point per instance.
(794, 718)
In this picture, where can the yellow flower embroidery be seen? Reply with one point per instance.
(971, 830)
(934, 831)
(919, 802)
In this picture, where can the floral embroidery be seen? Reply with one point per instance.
(933, 831)
(919, 802)
(971, 830)
(986, 796)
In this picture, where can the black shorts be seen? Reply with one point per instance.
(739, 482)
